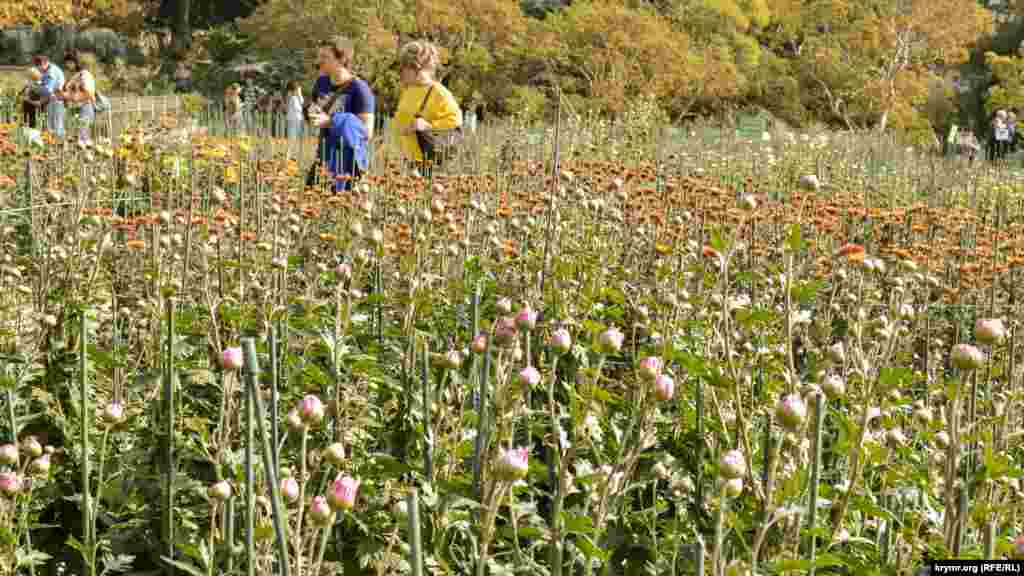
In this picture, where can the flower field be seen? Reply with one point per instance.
(580, 350)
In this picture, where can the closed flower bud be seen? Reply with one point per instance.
(231, 359)
(335, 454)
(833, 387)
(32, 447)
(526, 318)
(664, 387)
(479, 345)
(40, 466)
(561, 341)
(113, 414)
(453, 360)
(791, 412)
(320, 512)
(967, 357)
(529, 376)
(342, 494)
(294, 421)
(990, 331)
(732, 465)
(10, 483)
(836, 353)
(289, 489)
(505, 331)
(9, 455)
(343, 271)
(220, 491)
(650, 368)
(311, 410)
(610, 341)
(513, 464)
(733, 487)
(942, 439)
(504, 306)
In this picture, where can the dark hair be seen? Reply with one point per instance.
(342, 48)
(292, 85)
(71, 56)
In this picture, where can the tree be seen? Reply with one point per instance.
(871, 57)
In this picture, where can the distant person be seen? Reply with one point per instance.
(32, 97)
(425, 108)
(52, 85)
(182, 78)
(80, 91)
(342, 107)
(1000, 141)
(294, 110)
(233, 108)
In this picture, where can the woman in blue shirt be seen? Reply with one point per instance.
(342, 107)
(52, 92)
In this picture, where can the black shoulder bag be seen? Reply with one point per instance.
(437, 145)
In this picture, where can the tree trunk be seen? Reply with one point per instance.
(181, 27)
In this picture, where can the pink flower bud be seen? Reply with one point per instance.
(231, 359)
(505, 332)
(479, 345)
(289, 489)
(453, 360)
(664, 387)
(342, 495)
(732, 465)
(40, 466)
(967, 357)
(529, 376)
(526, 319)
(334, 454)
(344, 271)
(220, 491)
(650, 367)
(113, 414)
(311, 410)
(561, 341)
(294, 421)
(320, 512)
(791, 412)
(513, 464)
(610, 341)
(10, 483)
(504, 306)
(990, 331)
(733, 487)
(833, 387)
(9, 455)
(32, 446)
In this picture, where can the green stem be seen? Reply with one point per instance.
(819, 419)
(557, 547)
(252, 370)
(83, 391)
(169, 432)
(415, 543)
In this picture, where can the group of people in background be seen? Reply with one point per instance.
(342, 107)
(50, 91)
(1003, 139)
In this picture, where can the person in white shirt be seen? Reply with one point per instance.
(80, 90)
(295, 103)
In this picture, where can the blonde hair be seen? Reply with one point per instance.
(420, 55)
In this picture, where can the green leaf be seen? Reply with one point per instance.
(794, 238)
(31, 558)
(188, 568)
(579, 524)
